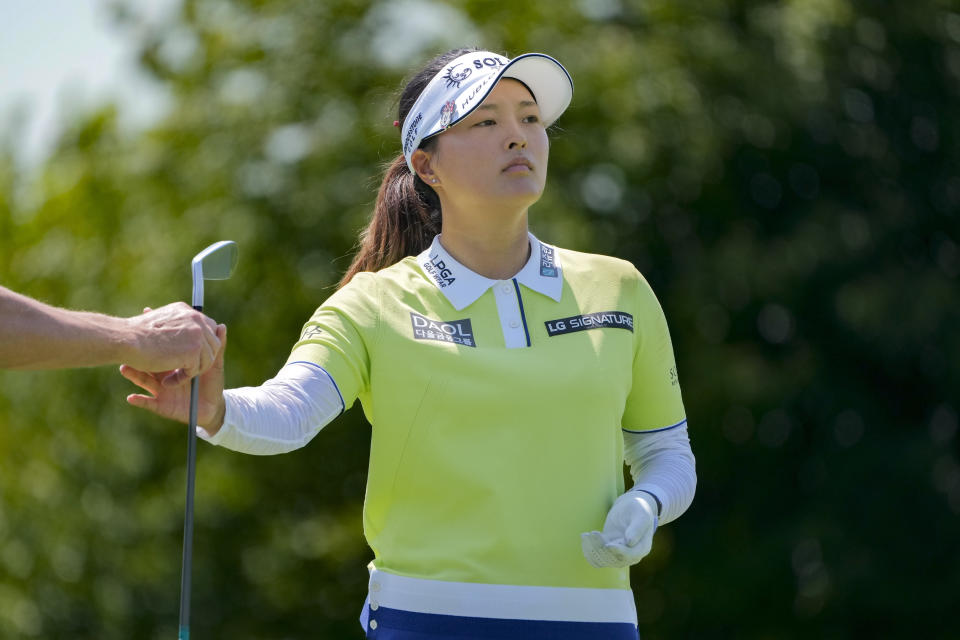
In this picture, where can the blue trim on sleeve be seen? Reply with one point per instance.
(343, 405)
(673, 426)
(523, 316)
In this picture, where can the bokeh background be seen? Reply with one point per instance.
(784, 173)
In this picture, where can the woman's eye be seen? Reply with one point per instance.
(532, 119)
(485, 123)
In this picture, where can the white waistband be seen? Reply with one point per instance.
(567, 604)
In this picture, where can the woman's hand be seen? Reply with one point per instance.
(627, 535)
(174, 401)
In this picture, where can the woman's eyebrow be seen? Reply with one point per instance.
(496, 107)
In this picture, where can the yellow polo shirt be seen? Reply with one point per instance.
(497, 408)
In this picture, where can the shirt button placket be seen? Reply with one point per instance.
(374, 605)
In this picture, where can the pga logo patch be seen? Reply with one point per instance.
(456, 331)
(439, 271)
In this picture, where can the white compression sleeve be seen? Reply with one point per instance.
(280, 415)
(662, 463)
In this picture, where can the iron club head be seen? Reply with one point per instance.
(216, 262)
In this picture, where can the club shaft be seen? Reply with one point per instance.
(187, 564)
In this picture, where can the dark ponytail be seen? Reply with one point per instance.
(406, 215)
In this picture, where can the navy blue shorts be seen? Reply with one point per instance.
(393, 624)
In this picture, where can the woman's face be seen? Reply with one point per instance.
(497, 155)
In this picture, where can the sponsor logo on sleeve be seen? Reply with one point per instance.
(438, 270)
(311, 333)
(455, 331)
(601, 320)
(548, 263)
(674, 378)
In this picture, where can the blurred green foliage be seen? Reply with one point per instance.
(785, 174)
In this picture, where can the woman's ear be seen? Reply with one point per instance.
(421, 161)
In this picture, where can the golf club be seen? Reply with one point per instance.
(216, 262)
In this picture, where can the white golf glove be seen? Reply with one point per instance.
(627, 534)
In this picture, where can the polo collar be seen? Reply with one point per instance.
(462, 287)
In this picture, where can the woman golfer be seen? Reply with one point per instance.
(506, 381)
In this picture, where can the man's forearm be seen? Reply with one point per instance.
(34, 335)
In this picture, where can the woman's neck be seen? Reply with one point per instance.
(488, 247)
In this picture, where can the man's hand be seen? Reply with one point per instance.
(174, 338)
(173, 402)
(627, 534)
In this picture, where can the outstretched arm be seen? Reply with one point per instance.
(173, 338)
(282, 414)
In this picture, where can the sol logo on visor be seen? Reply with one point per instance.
(456, 331)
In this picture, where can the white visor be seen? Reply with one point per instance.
(464, 83)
